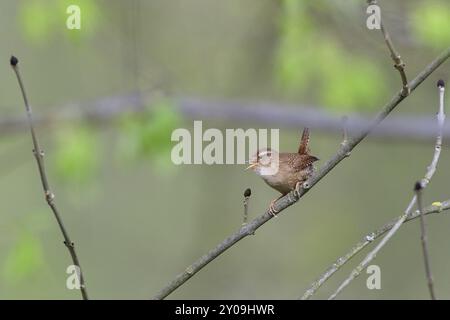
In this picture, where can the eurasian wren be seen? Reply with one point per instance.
(284, 171)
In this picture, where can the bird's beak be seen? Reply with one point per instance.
(252, 165)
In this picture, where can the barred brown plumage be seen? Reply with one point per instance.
(284, 171)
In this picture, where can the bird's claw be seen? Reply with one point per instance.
(272, 211)
(298, 185)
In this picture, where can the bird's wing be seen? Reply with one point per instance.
(303, 148)
(300, 162)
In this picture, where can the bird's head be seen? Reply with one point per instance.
(265, 162)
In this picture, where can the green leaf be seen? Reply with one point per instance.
(352, 85)
(37, 19)
(77, 155)
(43, 19)
(431, 23)
(296, 48)
(313, 63)
(157, 131)
(90, 18)
(149, 134)
(24, 260)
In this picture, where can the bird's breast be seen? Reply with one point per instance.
(284, 182)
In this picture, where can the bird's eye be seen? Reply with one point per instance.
(265, 158)
(266, 154)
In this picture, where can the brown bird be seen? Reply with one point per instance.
(284, 171)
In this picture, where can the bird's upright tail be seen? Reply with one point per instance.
(304, 142)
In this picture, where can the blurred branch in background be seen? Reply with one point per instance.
(294, 196)
(107, 109)
(431, 169)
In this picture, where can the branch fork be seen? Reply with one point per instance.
(395, 56)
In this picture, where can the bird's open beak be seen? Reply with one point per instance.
(252, 165)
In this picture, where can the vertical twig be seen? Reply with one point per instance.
(247, 194)
(345, 136)
(441, 121)
(344, 130)
(424, 240)
(431, 169)
(399, 64)
(49, 196)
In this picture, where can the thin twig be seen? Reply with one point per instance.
(49, 196)
(357, 271)
(247, 194)
(424, 240)
(344, 129)
(431, 169)
(345, 133)
(290, 198)
(436, 207)
(398, 62)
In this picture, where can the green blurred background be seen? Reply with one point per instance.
(138, 220)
